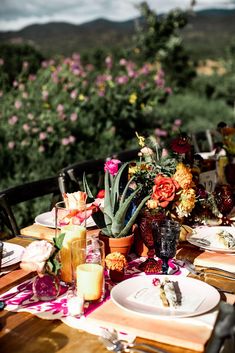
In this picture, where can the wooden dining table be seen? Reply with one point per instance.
(26, 333)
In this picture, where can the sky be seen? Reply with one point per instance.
(17, 14)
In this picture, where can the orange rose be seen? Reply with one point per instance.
(164, 190)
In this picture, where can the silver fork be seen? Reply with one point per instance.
(112, 343)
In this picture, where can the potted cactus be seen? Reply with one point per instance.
(115, 226)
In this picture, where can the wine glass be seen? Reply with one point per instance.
(150, 265)
(165, 237)
(224, 201)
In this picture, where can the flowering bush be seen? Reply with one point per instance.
(69, 112)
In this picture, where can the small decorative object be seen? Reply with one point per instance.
(46, 286)
(75, 303)
(116, 263)
(41, 256)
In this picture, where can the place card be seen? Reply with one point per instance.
(208, 180)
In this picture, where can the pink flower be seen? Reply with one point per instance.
(65, 141)
(74, 94)
(71, 139)
(160, 132)
(73, 117)
(112, 166)
(121, 80)
(60, 108)
(11, 145)
(36, 255)
(178, 122)
(26, 127)
(168, 90)
(109, 62)
(50, 129)
(18, 104)
(42, 136)
(13, 120)
(122, 62)
(1, 62)
(30, 116)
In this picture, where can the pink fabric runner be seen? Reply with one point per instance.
(21, 298)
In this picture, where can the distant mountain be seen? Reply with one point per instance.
(207, 34)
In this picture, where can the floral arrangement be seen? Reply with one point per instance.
(167, 179)
(76, 209)
(41, 256)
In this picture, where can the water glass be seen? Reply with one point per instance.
(67, 222)
(166, 236)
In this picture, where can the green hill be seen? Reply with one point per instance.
(207, 34)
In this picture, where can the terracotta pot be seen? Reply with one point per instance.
(122, 245)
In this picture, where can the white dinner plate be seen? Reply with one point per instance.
(197, 297)
(209, 233)
(15, 252)
(46, 219)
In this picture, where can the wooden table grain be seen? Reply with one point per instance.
(26, 333)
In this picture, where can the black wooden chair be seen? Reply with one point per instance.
(222, 339)
(25, 192)
(71, 177)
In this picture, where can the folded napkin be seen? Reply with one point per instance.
(215, 259)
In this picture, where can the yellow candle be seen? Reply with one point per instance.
(90, 280)
(72, 232)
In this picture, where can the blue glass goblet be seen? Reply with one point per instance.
(165, 236)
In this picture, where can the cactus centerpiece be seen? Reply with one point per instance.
(119, 213)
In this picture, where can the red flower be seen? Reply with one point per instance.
(181, 144)
(100, 194)
(164, 190)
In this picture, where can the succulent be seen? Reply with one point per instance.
(112, 220)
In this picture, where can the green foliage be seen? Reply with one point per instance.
(17, 60)
(196, 111)
(158, 38)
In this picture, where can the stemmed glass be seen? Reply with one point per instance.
(165, 237)
(150, 265)
(225, 201)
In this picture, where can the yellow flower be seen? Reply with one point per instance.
(133, 98)
(141, 140)
(183, 176)
(53, 68)
(81, 97)
(151, 204)
(187, 202)
(142, 106)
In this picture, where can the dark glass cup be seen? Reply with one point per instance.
(165, 236)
